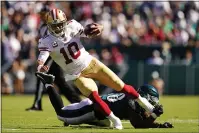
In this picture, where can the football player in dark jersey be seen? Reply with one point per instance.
(123, 107)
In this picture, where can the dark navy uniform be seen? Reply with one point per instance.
(127, 109)
(121, 105)
(118, 103)
(86, 112)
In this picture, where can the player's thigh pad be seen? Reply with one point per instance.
(103, 74)
(107, 77)
(85, 85)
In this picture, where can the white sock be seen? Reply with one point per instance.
(47, 85)
(116, 121)
(112, 117)
(143, 102)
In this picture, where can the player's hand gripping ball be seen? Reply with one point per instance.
(93, 30)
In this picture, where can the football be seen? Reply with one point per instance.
(91, 29)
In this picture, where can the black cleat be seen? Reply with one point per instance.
(66, 124)
(34, 109)
(45, 78)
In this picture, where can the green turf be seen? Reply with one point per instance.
(182, 111)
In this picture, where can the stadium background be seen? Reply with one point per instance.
(143, 42)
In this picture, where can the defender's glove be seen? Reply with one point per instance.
(166, 125)
(158, 110)
(45, 78)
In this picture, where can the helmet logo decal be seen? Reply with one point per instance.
(56, 21)
(115, 97)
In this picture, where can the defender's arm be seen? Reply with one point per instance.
(138, 121)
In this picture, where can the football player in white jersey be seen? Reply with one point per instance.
(65, 88)
(65, 48)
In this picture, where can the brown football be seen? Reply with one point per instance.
(90, 28)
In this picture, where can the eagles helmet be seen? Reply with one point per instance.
(150, 93)
(56, 20)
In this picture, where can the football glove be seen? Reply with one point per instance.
(45, 78)
(158, 110)
(166, 125)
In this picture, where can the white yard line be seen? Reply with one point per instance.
(184, 121)
(10, 129)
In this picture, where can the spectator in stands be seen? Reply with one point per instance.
(166, 53)
(188, 60)
(119, 62)
(106, 57)
(157, 82)
(155, 59)
(152, 22)
(19, 76)
(93, 53)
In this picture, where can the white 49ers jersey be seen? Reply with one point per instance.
(67, 51)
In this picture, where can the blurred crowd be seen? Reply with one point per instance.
(125, 23)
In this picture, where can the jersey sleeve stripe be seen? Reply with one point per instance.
(81, 31)
(44, 50)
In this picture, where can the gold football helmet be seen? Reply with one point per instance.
(56, 20)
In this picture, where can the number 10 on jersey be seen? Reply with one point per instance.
(74, 55)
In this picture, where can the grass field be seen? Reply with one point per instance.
(182, 111)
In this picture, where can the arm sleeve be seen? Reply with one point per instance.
(77, 28)
(77, 113)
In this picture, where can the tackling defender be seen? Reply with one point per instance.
(121, 105)
(65, 48)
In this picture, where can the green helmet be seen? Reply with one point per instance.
(150, 93)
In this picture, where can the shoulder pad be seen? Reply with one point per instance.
(43, 44)
(45, 36)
